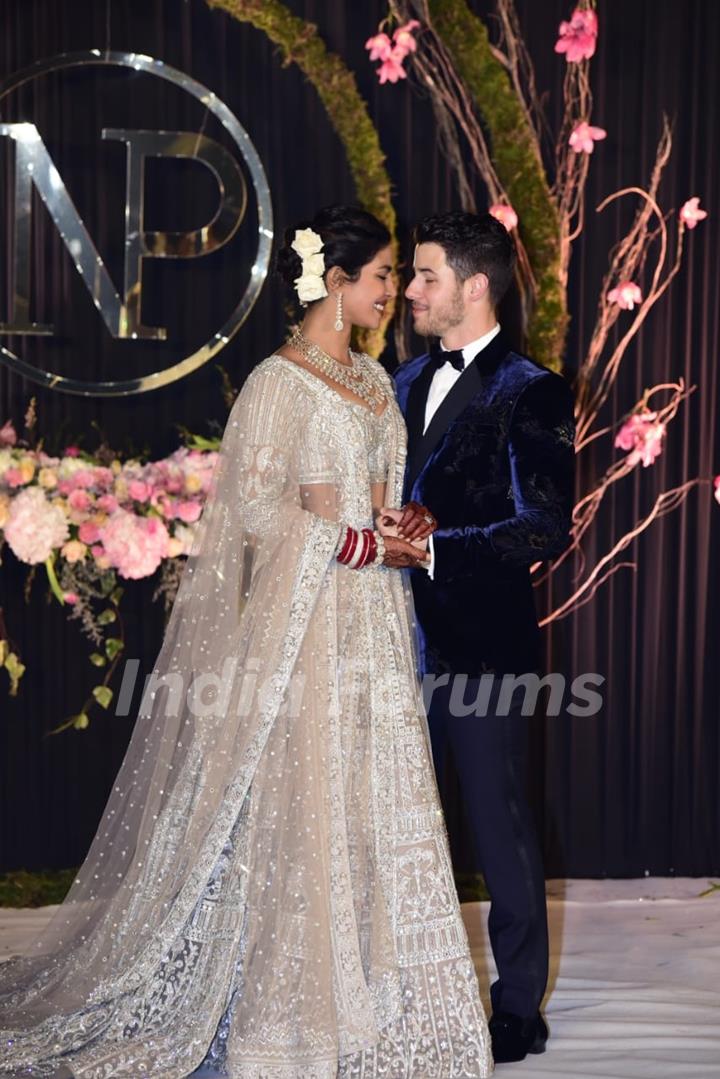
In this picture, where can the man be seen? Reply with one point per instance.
(491, 458)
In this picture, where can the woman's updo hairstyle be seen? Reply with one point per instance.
(351, 238)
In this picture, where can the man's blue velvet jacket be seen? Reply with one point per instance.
(496, 468)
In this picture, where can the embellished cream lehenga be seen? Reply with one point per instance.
(269, 894)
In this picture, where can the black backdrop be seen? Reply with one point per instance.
(631, 791)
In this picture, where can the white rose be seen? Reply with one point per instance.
(310, 287)
(306, 242)
(313, 264)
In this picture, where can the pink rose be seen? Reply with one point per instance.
(107, 503)
(691, 213)
(504, 213)
(583, 138)
(625, 295)
(188, 511)
(578, 37)
(89, 532)
(14, 477)
(70, 597)
(139, 491)
(72, 451)
(79, 500)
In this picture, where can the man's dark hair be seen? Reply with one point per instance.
(473, 243)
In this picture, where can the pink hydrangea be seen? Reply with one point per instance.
(135, 545)
(35, 527)
(504, 213)
(584, 136)
(8, 434)
(691, 213)
(625, 295)
(578, 37)
(642, 434)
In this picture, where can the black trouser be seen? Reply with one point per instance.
(490, 754)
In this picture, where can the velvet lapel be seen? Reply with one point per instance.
(470, 383)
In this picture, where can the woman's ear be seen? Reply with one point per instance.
(335, 279)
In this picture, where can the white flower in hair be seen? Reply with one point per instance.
(310, 285)
(306, 242)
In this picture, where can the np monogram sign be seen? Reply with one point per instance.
(121, 309)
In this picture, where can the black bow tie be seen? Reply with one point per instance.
(442, 356)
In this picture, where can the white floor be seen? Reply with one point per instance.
(634, 980)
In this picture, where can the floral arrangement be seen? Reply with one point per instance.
(485, 99)
(89, 519)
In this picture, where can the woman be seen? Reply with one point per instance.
(269, 894)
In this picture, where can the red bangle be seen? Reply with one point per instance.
(345, 552)
(372, 547)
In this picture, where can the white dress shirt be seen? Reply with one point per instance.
(443, 381)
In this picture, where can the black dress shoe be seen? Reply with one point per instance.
(513, 1037)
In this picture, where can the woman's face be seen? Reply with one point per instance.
(364, 300)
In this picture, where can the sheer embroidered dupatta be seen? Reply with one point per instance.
(165, 883)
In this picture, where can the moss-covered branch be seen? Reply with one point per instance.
(518, 166)
(300, 43)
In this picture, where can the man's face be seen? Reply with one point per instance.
(438, 298)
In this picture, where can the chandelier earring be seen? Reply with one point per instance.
(339, 324)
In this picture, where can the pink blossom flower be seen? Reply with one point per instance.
(79, 500)
(625, 295)
(107, 503)
(139, 491)
(135, 545)
(583, 138)
(188, 511)
(8, 434)
(391, 68)
(72, 451)
(34, 527)
(380, 46)
(83, 477)
(73, 551)
(14, 478)
(642, 434)
(89, 532)
(404, 40)
(717, 489)
(70, 597)
(578, 37)
(504, 213)
(101, 559)
(691, 213)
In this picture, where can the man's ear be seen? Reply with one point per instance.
(478, 286)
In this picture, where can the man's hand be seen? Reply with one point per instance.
(416, 522)
(400, 554)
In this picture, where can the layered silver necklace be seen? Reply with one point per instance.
(353, 378)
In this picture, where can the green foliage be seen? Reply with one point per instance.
(23, 889)
(518, 166)
(103, 695)
(300, 44)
